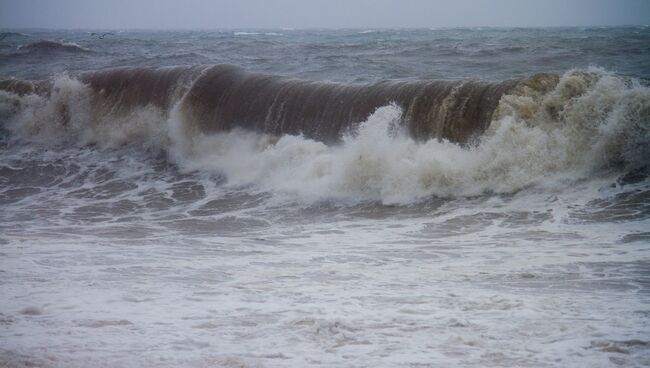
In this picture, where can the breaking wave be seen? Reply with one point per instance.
(395, 142)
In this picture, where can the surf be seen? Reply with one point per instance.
(392, 141)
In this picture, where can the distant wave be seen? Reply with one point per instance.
(4, 35)
(497, 51)
(257, 34)
(52, 46)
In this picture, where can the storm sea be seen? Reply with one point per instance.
(470, 197)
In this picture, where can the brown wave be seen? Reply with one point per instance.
(223, 97)
(122, 89)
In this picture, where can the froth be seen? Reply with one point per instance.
(595, 119)
(376, 163)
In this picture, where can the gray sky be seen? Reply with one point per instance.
(192, 14)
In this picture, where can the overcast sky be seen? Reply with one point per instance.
(215, 14)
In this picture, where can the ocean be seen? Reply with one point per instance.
(455, 197)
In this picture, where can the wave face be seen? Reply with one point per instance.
(224, 97)
(397, 141)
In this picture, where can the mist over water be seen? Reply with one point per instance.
(487, 206)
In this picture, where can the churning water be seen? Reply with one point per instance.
(349, 198)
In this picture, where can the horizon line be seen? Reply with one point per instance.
(322, 28)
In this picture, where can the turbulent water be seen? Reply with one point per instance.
(348, 198)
